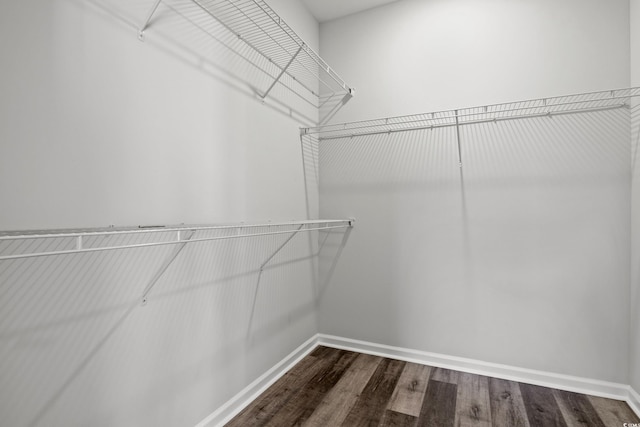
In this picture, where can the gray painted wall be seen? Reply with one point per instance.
(522, 256)
(97, 128)
(635, 253)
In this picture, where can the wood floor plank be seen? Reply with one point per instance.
(613, 412)
(370, 405)
(409, 393)
(397, 419)
(300, 407)
(473, 405)
(326, 389)
(444, 375)
(507, 407)
(540, 404)
(335, 406)
(577, 409)
(439, 405)
(322, 352)
(279, 394)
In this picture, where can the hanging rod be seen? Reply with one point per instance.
(242, 230)
(568, 104)
(290, 61)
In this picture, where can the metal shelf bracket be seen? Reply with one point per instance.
(149, 16)
(252, 30)
(458, 139)
(284, 70)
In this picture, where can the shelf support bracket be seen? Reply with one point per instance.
(264, 264)
(293, 234)
(337, 107)
(458, 139)
(165, 265)
(149, 16)
(284, 70)
(336, 257)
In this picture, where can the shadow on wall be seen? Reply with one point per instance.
(537, 215)
(80, 348)
(180, 29)
(327, 262)
(310, 168)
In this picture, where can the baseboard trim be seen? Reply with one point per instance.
(563, 382)
(634, 401)
(588, 386)
(237, 403)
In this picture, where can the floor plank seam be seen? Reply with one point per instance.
(358, 389)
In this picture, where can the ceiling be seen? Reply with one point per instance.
(326, 10)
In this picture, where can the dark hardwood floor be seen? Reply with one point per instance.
(333, 387)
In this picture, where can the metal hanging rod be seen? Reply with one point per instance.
(178, 235)
(568, 104)
(253, 23)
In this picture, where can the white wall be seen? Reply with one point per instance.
(522, 256)
(635, 213)
(415, 55)
(97, 128)
(103, 120)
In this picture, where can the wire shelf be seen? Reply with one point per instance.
(584, 102)
(19, 244)
(273, 47)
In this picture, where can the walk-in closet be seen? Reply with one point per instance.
(319, 213)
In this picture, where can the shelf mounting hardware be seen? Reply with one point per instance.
(458, 139)
(278, 53)
(261, 270)
(167, 262)
(149, 16)
(284, 70)
(347, 96)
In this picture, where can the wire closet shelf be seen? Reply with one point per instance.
(568, 104)
(29, 244)
(285, 57)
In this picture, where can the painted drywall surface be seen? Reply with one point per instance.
(415, 56)
(635, 213)
(327, 10)
(98, 128)
(58, 118)
(522, 256)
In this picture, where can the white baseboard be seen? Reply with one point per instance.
(547, 379)
(588, 386)
(237, 403)
(634, 401)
